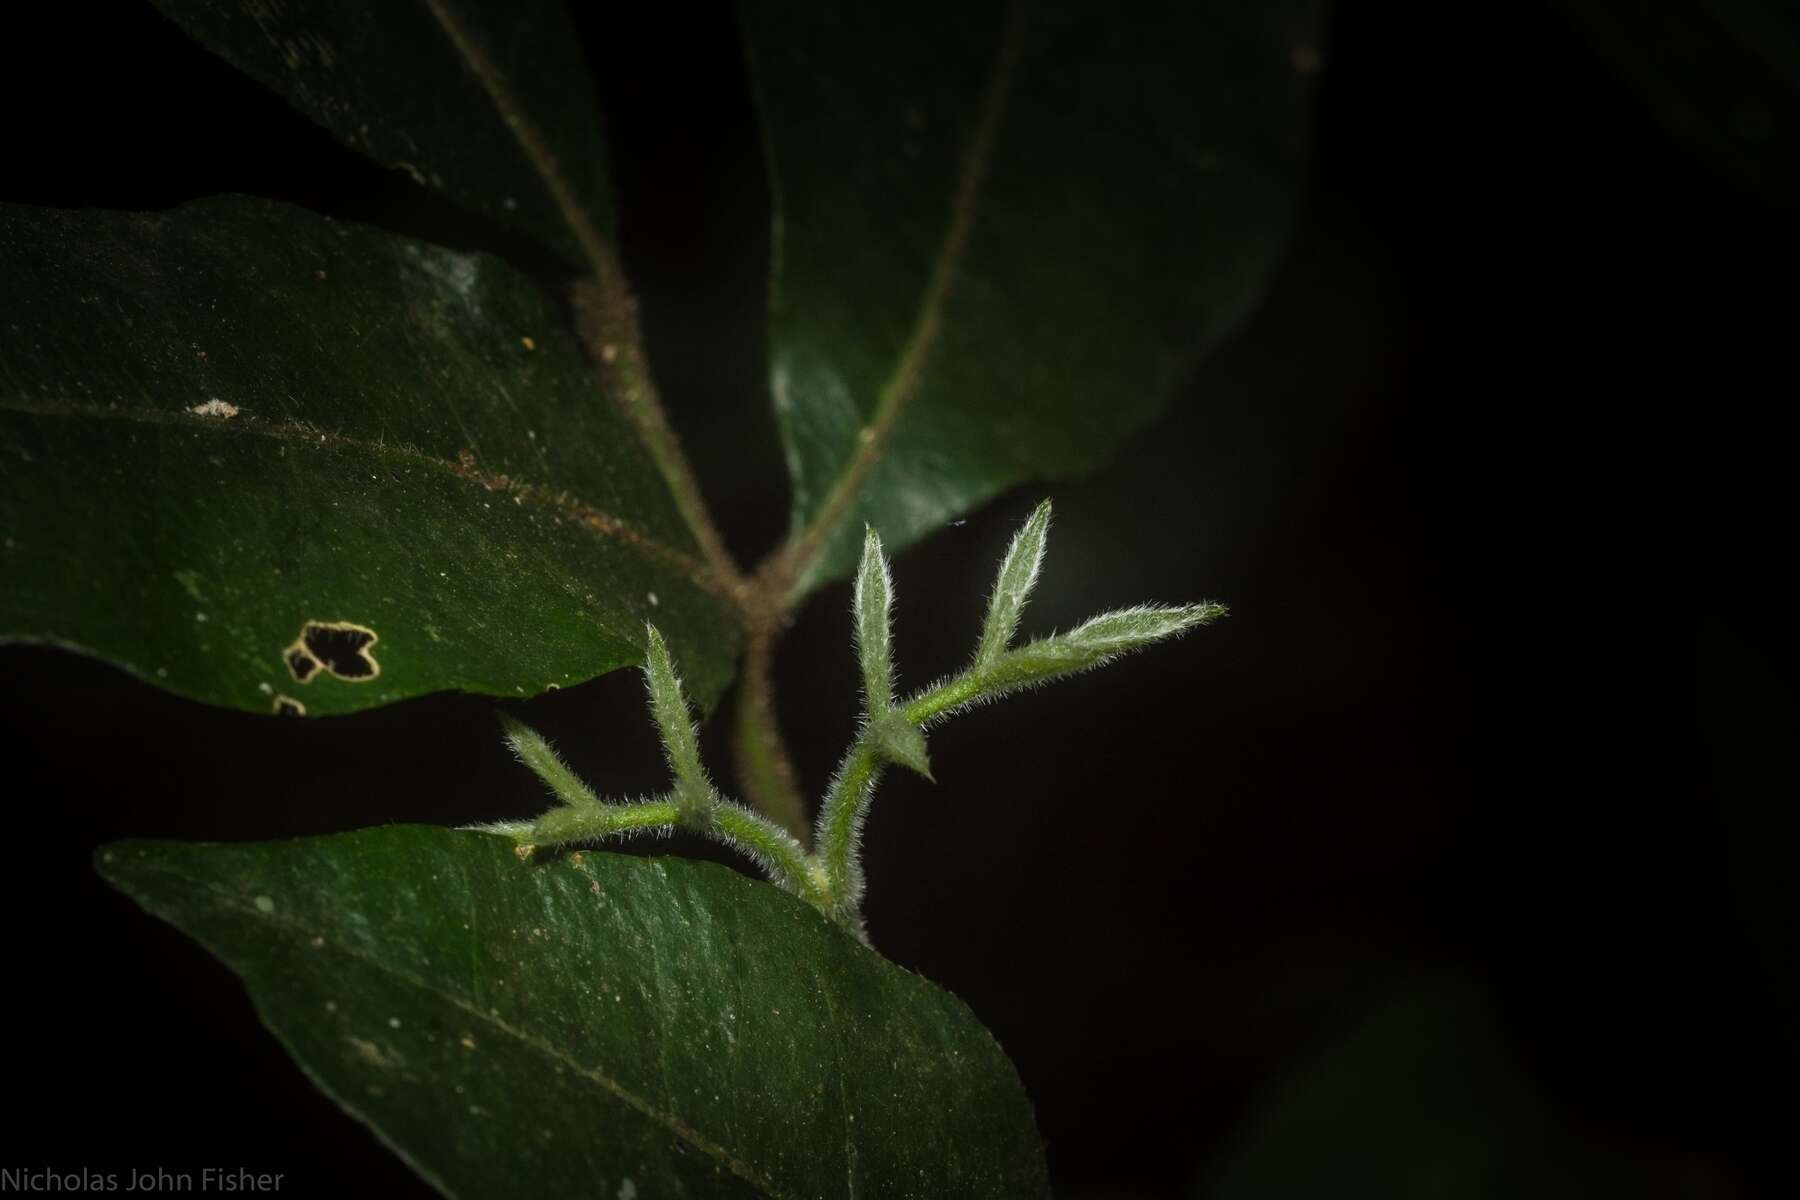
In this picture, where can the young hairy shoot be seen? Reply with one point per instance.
(892, 731)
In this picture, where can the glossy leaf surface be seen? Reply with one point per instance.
(238, 431)
(1003, 232)
(564, 1026)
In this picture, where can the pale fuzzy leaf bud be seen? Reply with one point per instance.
(1096, 641)
(542, 758)
(873, 605)
(1012, 587)
(681, 745)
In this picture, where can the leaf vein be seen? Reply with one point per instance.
(229, 900)
(526, 133)
(837, 1046)
(634, 393)
(909, 369)
(566, 506)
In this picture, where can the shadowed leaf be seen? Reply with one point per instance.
(488, 103)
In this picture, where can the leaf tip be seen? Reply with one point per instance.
(903, 743)
(653, 640)
(659, 669)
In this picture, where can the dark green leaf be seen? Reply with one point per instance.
(227, 422)
(1002, 235)
(489, 103)
(556, 1029)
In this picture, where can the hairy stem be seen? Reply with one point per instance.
(841, 820)
(839, 835)
(613, 339)
(593, 822)
(942, 699)
(779, 852)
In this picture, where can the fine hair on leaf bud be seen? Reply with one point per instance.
(830, 878)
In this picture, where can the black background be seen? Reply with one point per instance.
(1495, 482)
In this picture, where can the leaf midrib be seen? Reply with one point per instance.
(228, 900)
(525, 133)
(903, 382)
(296, 432)
(640, 404)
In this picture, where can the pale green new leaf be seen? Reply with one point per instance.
(1093, 643)
(542, 758)
(681, 744)
(1012, 587)
(873, 607)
